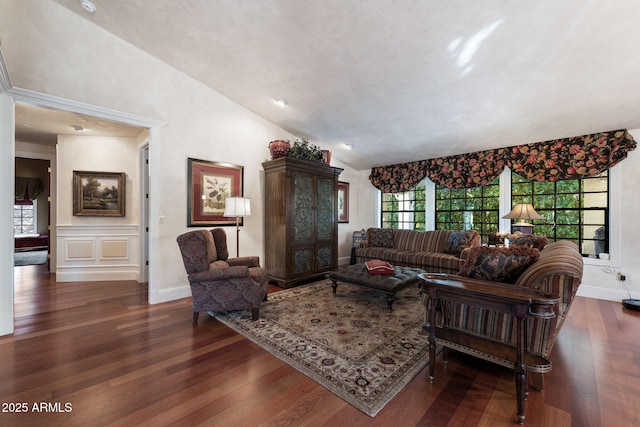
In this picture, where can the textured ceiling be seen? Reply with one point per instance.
(402, 80)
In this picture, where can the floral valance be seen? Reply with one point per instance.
(27, 189)
(400, 177)
(570, 158)
(567, 158)
(467, 170)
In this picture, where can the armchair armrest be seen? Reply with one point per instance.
(236, 272)
(249, 261)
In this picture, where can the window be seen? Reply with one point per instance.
(404, 210)
(469, 208)
(576, 210)
(24, 219)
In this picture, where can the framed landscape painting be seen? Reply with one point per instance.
(99, 193)
(208, 186)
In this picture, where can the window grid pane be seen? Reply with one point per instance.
(575, 210)
(473, 208)
(404, 210)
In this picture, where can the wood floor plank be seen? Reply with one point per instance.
(99, 347)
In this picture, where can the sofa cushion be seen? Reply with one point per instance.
(458, 241)
(498, 264)
(538, 242)
(380, 237)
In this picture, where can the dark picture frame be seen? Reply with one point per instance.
(343, 201)
(99, 193)
(208, 185)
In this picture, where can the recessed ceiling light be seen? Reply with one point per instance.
(348, 146)
(88, 6)
(281, 102)
(77, 128)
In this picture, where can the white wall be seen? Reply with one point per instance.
(52, 51)
(7, 191)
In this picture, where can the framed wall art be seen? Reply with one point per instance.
(99, 193)
(343, 201)
(208, 185)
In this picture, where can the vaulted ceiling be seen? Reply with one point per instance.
(402, 80)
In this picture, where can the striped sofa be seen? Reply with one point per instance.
(437, 251)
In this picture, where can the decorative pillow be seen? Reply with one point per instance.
(212, 254)
(380, 237)
(458, 241)
(377, 266)
(220, 239)
(498, 264)
(538, 242)
(219, 265)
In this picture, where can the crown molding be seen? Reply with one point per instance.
(51, 101)
(5, 79)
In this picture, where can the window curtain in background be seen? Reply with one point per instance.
(568, 158)
(27, 190)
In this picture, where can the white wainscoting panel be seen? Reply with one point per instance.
(97, 252)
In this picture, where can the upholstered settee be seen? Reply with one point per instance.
(506, 306)
(437, 251)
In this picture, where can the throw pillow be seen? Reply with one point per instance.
(538, 242)
(457, 241)
(212, 254)
(377, 266)
(380, 237)
(498, 264)
(220, 239)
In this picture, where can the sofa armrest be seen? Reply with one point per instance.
(236, 272)
(494, 295)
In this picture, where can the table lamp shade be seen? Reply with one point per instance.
(523, 211)
(237, 207)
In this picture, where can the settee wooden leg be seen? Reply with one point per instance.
(537, 381)
(195, 316)
(255, 313)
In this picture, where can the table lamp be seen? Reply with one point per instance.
(523, 211)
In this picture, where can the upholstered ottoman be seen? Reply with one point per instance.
(357, 274)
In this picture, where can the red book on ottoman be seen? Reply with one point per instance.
(377, 266)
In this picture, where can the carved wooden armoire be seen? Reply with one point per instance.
(301, 220)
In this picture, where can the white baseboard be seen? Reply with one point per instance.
(93, 274)
(171, 294)
(603, 294)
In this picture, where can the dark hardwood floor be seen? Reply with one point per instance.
(95, 353)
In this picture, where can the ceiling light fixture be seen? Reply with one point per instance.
(88, 6)
(77, 128)
(348, 146)
(281, 102)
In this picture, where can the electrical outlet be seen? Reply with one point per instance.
(621, 277)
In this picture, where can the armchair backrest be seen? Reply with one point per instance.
(220, 241)
(198, 250)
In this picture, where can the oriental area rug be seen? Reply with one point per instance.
(350, 344)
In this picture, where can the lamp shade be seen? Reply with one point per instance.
(237, 206)
(523, 211)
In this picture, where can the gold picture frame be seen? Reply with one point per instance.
(99, 193)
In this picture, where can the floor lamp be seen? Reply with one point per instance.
(237, 207)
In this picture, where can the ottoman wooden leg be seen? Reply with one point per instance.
(334, 285)
(390, 300)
